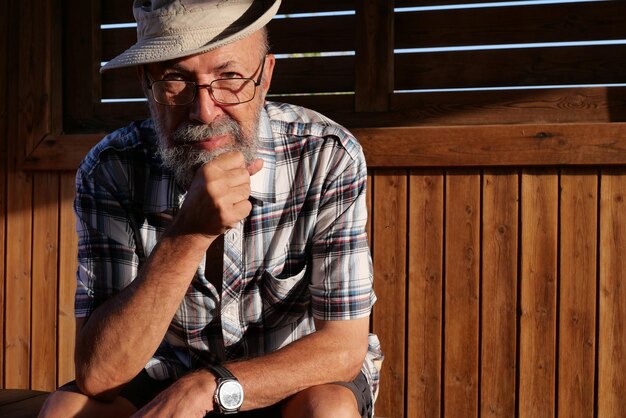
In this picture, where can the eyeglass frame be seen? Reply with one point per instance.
(197, 86)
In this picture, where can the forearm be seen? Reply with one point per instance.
(328, 355)
(122, 334)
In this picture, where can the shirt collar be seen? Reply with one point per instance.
(263, 183)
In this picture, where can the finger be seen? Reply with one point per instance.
(255, 166)
(229, 160)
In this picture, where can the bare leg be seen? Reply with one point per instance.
(321, 402)
(70, 402)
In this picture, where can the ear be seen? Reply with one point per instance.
(270, 61)
(140, 70)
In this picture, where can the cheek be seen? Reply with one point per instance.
(172, 118)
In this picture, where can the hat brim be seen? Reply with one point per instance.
(185, 44)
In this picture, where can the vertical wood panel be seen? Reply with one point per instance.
(462, 262)
(374, 55)
(612, 332)
(425, 293)
(68, 248)
(390, 204)
(577, 295)
(499, 293)
(4, 122)
(538, 294)
(18, 275)
(35, 72)
(44, 279)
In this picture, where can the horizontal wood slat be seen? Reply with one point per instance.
(493, 145)
(422, 3)
(580, 105)
(121, 11)
(297, 75)
(511, 25)
(519, 67)
(287, 36)
(503, 145)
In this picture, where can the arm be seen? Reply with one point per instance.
(122, 334)
(335, 352)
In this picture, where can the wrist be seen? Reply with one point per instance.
(228, 396)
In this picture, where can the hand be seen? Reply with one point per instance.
(218, 196)
(190, 396)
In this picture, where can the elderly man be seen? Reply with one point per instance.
(223, 261)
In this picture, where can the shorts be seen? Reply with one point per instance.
(142, 389)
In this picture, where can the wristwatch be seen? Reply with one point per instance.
(228, 396)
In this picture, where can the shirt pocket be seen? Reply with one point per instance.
(285, 299)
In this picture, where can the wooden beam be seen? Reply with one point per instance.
(495, 145)
(374, 55)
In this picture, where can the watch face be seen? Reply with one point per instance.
(231, 394)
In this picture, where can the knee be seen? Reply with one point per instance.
(63, 403)
(322, 401)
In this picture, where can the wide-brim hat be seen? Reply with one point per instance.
(170, 29)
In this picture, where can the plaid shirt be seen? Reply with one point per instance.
(302, 252)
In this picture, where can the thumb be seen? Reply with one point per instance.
(255, 166)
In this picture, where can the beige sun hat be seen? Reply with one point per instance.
(169, 29)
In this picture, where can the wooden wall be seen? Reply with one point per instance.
(497, 219)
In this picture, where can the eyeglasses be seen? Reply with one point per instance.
(222, 90)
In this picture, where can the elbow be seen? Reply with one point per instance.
(94, 385)
(352, 361)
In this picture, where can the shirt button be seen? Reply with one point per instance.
(233, 236)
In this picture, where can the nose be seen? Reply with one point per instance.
(204, 109)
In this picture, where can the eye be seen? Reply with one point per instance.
(230, 74)
(174, 76)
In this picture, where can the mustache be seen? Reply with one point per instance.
(189, 133)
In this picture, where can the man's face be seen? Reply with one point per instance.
(197, 133)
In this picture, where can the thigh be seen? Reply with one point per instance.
(68, 401)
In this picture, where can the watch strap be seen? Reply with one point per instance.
(220, 371)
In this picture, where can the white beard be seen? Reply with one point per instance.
(183, 159)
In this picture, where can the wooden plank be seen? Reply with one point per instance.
(420, 3)
(26, 407)
(577, 299)
(575, 105)
(461, 284)
(509, 67)
(612, 295)
(580, 105)
(426, 229)
(68, 250)
(495, 145)
(81, 58)
(499, 293)
(120, 11)
(36, 37)
(18, 273)
(287, 36)
(525, 24)
(537, 337)
(291, 75)
(390, 206)
(374, 55)
(44, 281)
(6, 62)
